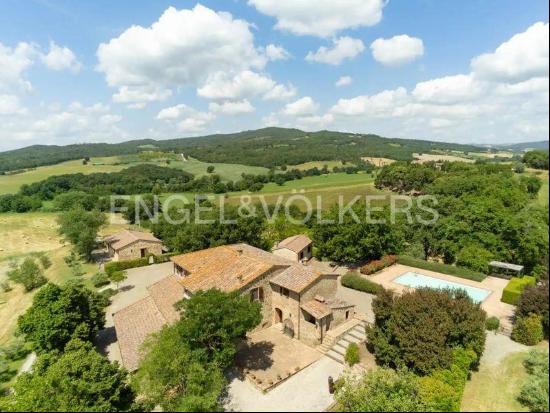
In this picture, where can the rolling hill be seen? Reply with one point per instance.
(266, 147)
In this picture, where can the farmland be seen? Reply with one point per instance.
(10, 184)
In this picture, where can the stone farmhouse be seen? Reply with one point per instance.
(130, 245)
(296, 248)
(297, 298)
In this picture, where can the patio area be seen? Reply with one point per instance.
(269, 357)
(492, 304)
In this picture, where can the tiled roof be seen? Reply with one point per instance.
(227, 268)
(296, 243)
(166, 293)
(316, 309)
(296, 278)
(133, 324)
(126, 237)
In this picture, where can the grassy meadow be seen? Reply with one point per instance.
(21, 236)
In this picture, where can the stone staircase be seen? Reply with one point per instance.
(335, 346)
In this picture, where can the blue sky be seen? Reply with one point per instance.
(468, 71)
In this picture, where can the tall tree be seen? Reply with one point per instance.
(81, 227)
(60, 313)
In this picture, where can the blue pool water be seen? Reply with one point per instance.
(415, 280)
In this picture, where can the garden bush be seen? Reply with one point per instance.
(528, 330)
(405, 324)
(352, 354)
(512, 291)
(492, 324)
(100, 279)
(15, 350)
(442, 268)
(115, 266)
(377, 265)
(534, 394)
(356, 282)
(534, 300)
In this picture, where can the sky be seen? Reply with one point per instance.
(472, 71)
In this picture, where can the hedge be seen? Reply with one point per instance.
(115, 266)
(512, 292)
(356, 282)
(460, 272)
(377, 265)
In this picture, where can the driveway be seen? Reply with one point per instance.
(307, 391)
(131, 290)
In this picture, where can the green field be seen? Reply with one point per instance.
(10, 184)
(227, 171)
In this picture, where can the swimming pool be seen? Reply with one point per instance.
(415, 280)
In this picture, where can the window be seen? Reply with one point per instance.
(347, 314)
(257, 294)
(284, 291)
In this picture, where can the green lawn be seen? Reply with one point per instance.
(494, 388)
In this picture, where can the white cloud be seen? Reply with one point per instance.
(397, 50)
(522, 57)
(223, 86)
(94, 123)
(322, 18)
(344, 81)
(491, 103)
(274, 52)
(186, 118)
(449, 89)
(138, 97)
(184, 47)
(314, 122)
(10, 105)
(343, 48)
(380, 104)
(61, 58)
(301, 107)
(281, 92)
(13, 63)
(232, 108)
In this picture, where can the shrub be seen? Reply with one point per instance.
(528, 330)
(107, 294)
(419, 330)
(6, 373)
(5, 286)
(534, 394)
(14, 351)
(100, 279)
(534, 300)
(115, 266)
(352, 354)
(29, 274)
(442, 268)
(436, 396)
(512, 292)
(475, 258)
(356, 282)
(45, 261)
(377, 265)
(492, 324)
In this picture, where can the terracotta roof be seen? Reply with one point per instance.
(166, 293)
(296, 278)
(126, 237)
(227, 268)
(335, 303)
(316, 309)
(296, 243)
(133, 324)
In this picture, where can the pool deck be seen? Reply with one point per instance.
(492, 304)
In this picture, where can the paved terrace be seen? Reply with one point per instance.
(492, 304)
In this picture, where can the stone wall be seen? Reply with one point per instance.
(133, 251)
(325, 286)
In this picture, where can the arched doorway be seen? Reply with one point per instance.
(278, 316)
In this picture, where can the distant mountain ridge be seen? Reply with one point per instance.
(267, 147)
(524, 146)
